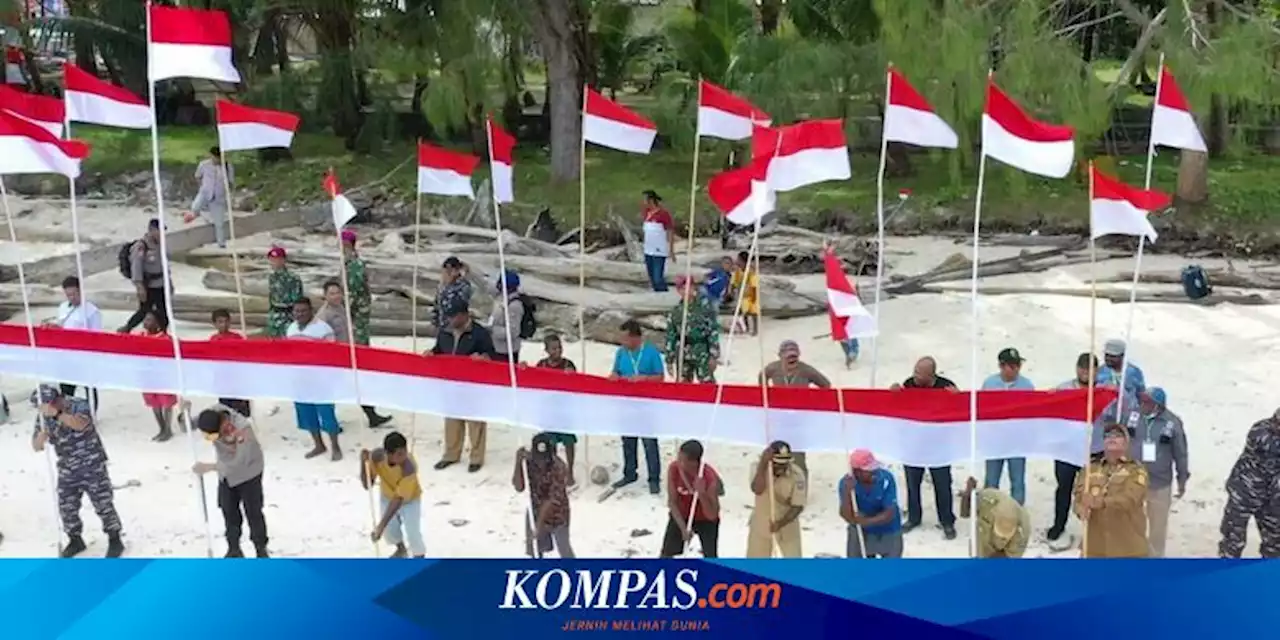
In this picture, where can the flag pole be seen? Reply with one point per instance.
(413, 296)
(688, 254)
(582, 254)
(35, 354)
(168, 294)
(1093, 366)
(884, 148)
(844, 439)
(1142, 243)
(975, 348)
(75, 239)
(231, 233)
(764, 382)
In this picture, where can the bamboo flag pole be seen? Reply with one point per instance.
(75, 239)
(413, 299)
(764, 382)
(231, 233)
(688, 254)
(844, 438)
(1093, 368)
(884, 149)
(35, 355)
(973, 356)
(582, 255)
(168, 294)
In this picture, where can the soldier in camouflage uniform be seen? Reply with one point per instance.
(696, 358)
(283, 289)
(454, 289)
(357, 288)
(67, 424)
(1253, 489)
(1004, 526)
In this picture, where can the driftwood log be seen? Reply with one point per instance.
(1217, 278)
(1114, 295)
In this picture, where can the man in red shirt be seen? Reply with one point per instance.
(659, 240)
(690, 481)
(222, 331)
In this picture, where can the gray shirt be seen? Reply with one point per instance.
(335, 317)
(1164, 432)
(146, 264)
(500, 322)
(242, 460)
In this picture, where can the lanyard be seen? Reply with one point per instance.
(635, 361)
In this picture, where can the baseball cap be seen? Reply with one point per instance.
(1113, 347)
(1010, 356)
(277, 252)
(863, 460)
(452, 262)
(45, 394)
(788, 346)
(781, 452)
(1157, 395)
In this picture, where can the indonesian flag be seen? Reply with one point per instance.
(920, 427)
(1119, 209)
(1016, 139)
(849, 319)
(740, 196)
(909, 118)
(801, 154)
(1172, 124)
(28, 148)
(189, 43)
(89, 99)
(241, 128)
(343, 210)
(501, 162)
(445, 173)
(47, 112)
(13, 61)
(609, 124)
(726, 116)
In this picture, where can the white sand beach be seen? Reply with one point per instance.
(1210, 360)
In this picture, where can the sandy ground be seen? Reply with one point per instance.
(315, 508)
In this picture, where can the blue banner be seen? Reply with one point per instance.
(778, 599)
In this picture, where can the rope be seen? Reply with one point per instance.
(35, 355)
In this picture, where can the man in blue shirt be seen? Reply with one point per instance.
(875, 493)
(1116, 367)
(638, 360)
(1009, 378)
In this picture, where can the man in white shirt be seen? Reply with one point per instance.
(80, 314)
(314, 418)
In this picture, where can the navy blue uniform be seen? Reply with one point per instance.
(82, 468)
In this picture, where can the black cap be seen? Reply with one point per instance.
(1010, 356)
(452, 262)
(210, 420)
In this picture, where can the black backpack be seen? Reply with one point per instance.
(528, 321)
(125, 258)
(1195, 282)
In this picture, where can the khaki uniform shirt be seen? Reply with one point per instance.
(1119, 528)
(988, 545)
(789, 490)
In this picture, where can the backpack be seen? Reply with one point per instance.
(125, 258)
(1195, 282)
(528, 321)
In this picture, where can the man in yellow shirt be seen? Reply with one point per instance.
(1004, 526)
(397, 472)
(1113, 507)
(778, 521)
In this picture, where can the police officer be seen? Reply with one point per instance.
(1252, 491)
(67, 424)
(1113, 506)
(1004, 526)
(778, 521)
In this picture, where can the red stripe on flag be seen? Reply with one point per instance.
(11, 125)
(1108, 188)
(602, 107)
(80, 81)
(433, 157)
(502, 144)
(1171, 95)
(228, 112)
(32, 106)
(1013, 119)
(177, 25)
(902, 94)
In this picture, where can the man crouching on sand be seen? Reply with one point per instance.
(67, 424)
(239, 466)
(397, 472)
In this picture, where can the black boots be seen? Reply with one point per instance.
(115, 546)
(375, 420)
(75, 545)
(233, 551)
(261, 550)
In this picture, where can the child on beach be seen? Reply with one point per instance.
(221, 319)
(751, 294)
(161, 404)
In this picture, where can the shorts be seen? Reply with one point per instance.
(563, 439)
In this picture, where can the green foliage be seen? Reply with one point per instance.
(618, 48)
(708, 44)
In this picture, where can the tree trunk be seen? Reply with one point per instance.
(553, 22)
(334, 36)
(86, 53)
(265, 48)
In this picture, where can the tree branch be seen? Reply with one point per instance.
(1139, 50)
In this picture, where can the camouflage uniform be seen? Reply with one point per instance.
(1253, 489)
(283, 289)
(990, 503)
(82, 468)
(361, 301)
(702, 339)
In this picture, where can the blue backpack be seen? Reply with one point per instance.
(1195, 282)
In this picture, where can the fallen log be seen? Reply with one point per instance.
(634, 250)
(383, 327)
(1113, 295)
(46, 296)
(1217, 277)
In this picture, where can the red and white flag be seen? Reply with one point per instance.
(1119, 209)
(1172, 124)
(849, 319)
(13, 61)
(502, 147)
(241, 128)
(909, 118)
(28, 148)
(343, 210)
(47, 112)
(724, 115)
(89, 99)
(445, 173)
(189, 43)
(801, 154)
(740, 196)
(1016, 139)
(609, 124)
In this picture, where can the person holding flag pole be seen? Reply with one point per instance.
(184, 43)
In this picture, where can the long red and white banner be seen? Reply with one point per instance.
(920, 427)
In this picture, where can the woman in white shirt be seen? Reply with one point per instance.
(314, 418)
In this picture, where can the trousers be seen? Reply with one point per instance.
(556, 539)
(155, 302)
(1017, 476)
(405, 528)
(1159, 501)
(941, 494)
(454, 431)
(1235, 525)
(95, 481)
(1065, 474)
(246, 495)
(656, 268)
(879, 545)
(708, 532)
(631, 458)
